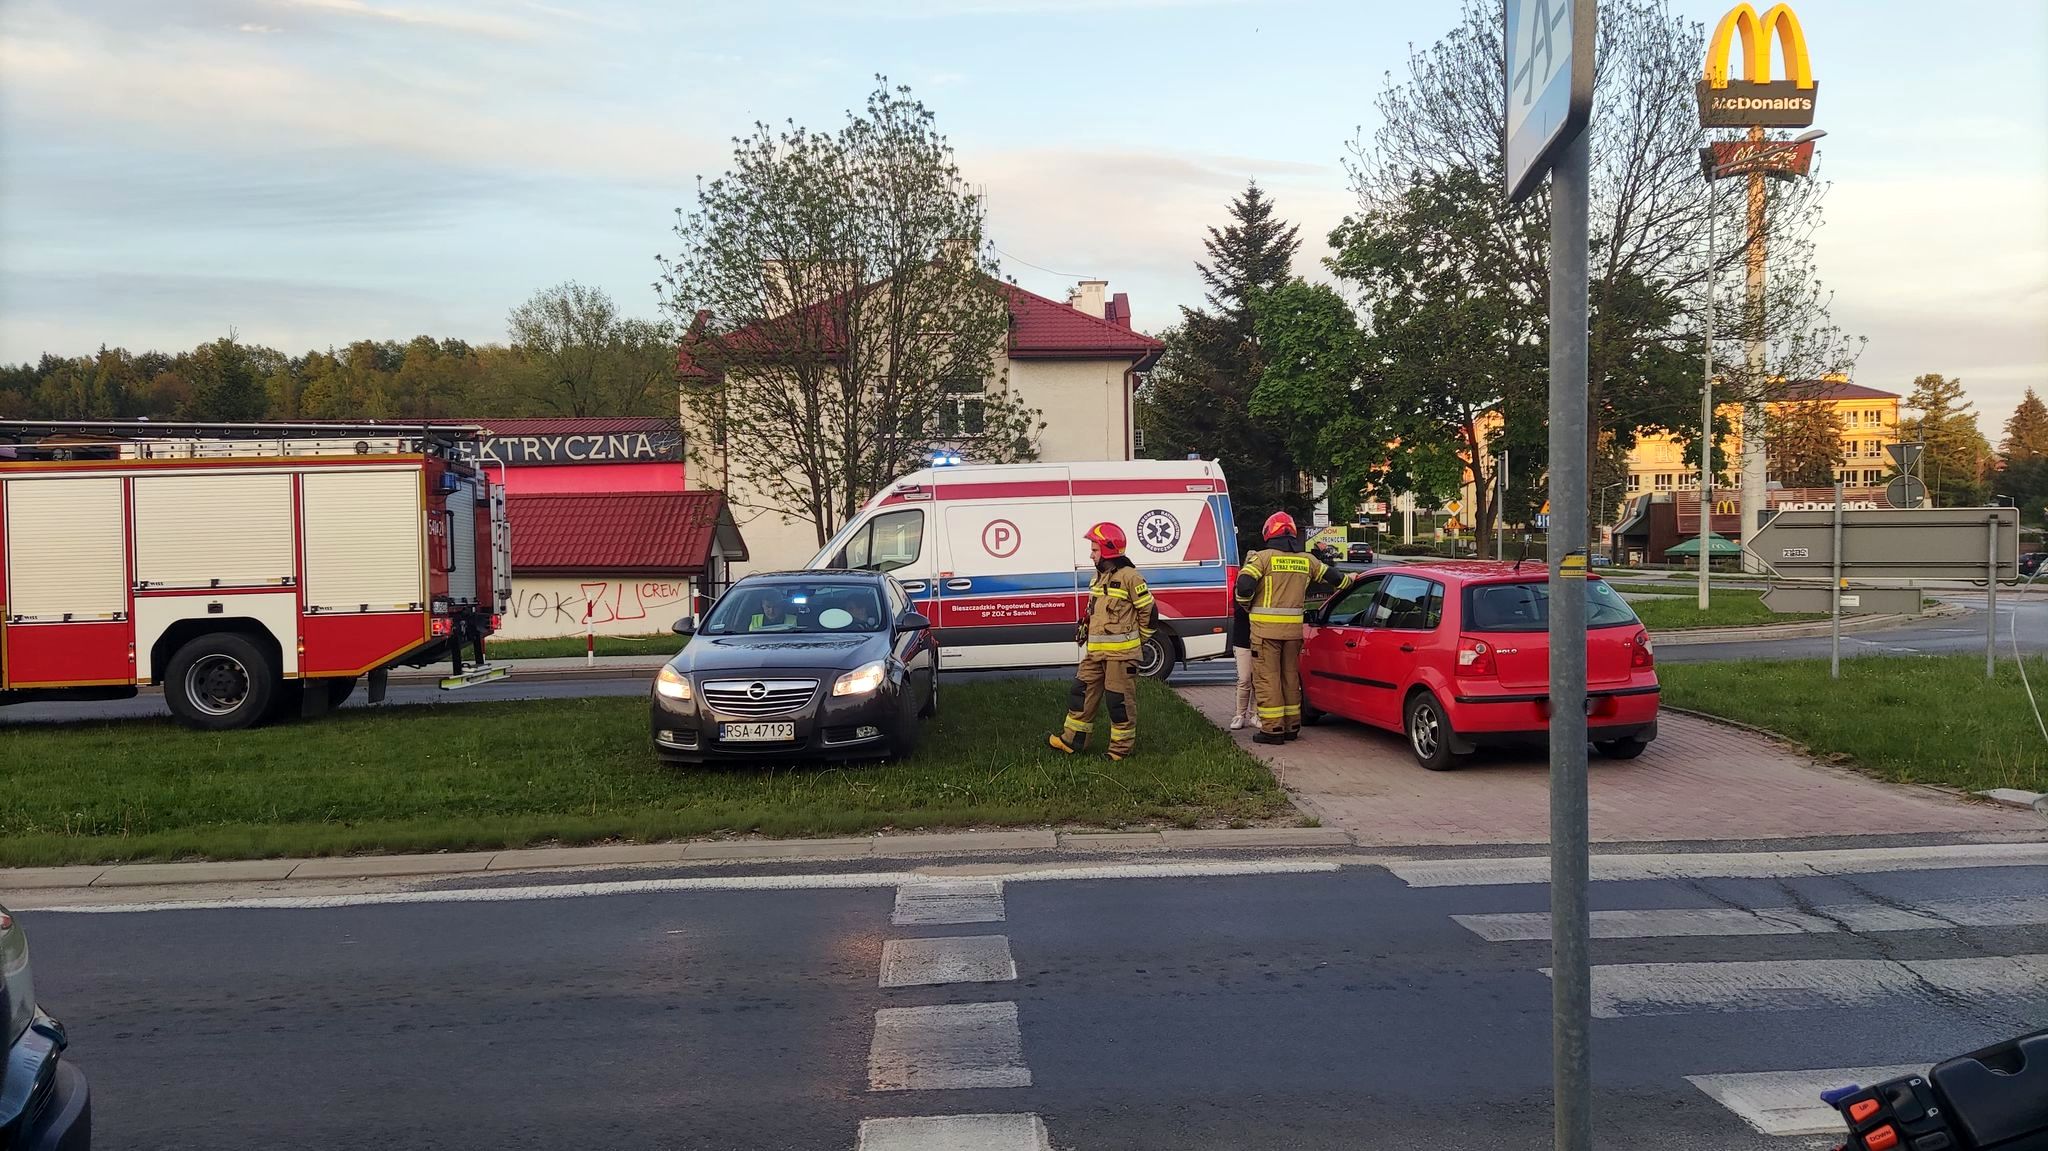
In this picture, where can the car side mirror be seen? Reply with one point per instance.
(684, 626)
(913, 621)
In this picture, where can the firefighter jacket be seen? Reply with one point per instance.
(1121, 614)
(1273, 585)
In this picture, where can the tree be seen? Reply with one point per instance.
(2026, 433)
(587, 360)
(1199, 397)
(1650, 214)
(226, 386)
(842, 315)
(1806, 443)
(1957, 459)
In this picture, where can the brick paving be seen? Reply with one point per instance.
(1698, 781)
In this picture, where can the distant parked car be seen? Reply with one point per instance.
(44, 1102)
(1457, 656)
(797, 665)
(1359, 552)
(2030, 562)
(1324, 551)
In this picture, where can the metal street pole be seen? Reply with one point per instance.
(1835, 595)
(1755, 467)
(1572, 979)
(1707, 408)
(1991, 602)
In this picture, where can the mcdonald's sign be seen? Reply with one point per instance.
(1758, 100)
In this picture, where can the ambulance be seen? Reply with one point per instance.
(993, 555)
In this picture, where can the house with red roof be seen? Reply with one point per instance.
(1076, 361)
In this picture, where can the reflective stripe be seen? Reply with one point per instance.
(1272, 712)
(1117, 638)
(1123, 732)
(1080, 725)
(1277, 615)
(1292, 709)
(1116, 592)
(1117, 645)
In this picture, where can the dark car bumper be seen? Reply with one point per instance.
(57, 1115)
(829, 727)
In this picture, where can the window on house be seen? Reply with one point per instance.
(1849, 419)
(1872, 449)
(1687, 481)
(1874, 418)
(1635, 482)
(1662, 482)
(1873, 477)
(962, 415)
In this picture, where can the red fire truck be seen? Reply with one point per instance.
(252, 570)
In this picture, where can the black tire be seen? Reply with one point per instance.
(931, 704)
(1155, 658)
(1310, 713)
(338, 690)
(1621, 748)
(1429, 732)
(221, 682)
(903, 740)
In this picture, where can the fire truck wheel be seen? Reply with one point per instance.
(219, 682)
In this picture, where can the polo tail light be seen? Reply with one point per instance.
(1475, 657)
(1641, 653)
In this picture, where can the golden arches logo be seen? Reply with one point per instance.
(1756, 32)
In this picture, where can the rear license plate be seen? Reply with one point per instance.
(756, 732)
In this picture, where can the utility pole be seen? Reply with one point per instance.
(1707, 408)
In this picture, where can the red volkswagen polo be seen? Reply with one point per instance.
(1456, 656)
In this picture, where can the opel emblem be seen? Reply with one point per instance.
(757, 691)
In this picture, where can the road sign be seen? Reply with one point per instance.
(1549, 84)
(1813, 599)
(1454, 526)
(1891, 543)
(1543, 520)
(1905, 491)
(1454, 507)
(1906, 457)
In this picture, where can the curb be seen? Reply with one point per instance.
(703, 851)
(1772, 631)
(540, 675)
(2015, 797)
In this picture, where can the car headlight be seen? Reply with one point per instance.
(20, 992)
(671, 683)
(861, 680)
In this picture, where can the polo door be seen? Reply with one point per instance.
(1333, 654)
(1008, 589)
(1402, 625)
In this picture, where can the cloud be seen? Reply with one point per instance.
(948, 9)
(451, 21)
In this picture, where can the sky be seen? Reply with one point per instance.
(309, 172)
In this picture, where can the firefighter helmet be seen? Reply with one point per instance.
(1108, 537)
(1279, 524)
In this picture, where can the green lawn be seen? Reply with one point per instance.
(494, 775)
(1915, 719)
(1729, 608)
(664, 643)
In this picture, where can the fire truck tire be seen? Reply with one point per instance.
(220, 682)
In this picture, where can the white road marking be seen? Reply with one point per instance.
(948, 901)
(1788, 1102)
(1627, 990)
(1734, 864)
(955, 1133)
(959, 959)
(872, 879)
(948, 1047)
(1660, 923)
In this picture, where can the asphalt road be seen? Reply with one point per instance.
(1305, 1012)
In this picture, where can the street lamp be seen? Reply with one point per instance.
(1715, 171)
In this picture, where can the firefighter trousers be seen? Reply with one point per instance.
(1095, 680)
(1276, 680)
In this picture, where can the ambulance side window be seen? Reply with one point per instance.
(890, 541)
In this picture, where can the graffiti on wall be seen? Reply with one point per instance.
(624, 606)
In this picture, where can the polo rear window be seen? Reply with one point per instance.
(1526, 606)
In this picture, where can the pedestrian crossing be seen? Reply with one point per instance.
(1972, 956)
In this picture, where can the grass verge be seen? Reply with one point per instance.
(558, 647)
(1730, 608)
(501, 775)
(1912, 719)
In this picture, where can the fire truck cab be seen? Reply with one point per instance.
(251, 570)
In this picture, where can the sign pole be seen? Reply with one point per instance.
(1835, 593)
(1707, 411)
(1572, 991)
(1991, 603)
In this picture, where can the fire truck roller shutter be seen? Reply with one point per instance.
(363, 540)
(226, 529)
(462, 534)
(64, 549)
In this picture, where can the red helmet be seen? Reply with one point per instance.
(1108, 537)
(1279, 524)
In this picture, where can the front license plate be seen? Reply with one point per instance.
(756, 732)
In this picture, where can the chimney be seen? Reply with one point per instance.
(1090, 296)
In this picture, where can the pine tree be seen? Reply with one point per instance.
(1198, 400)
(2026, 433)
(1805, 444)
(1956, 458)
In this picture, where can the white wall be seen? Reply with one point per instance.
(544, 606)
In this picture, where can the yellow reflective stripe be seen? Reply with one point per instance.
(1272, 713)
(1080, 725)
(1122, 732)
(1278, 615)
(1118, 645)
(1116, 592)
(1292, 710)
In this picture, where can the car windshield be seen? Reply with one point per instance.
(797, 608)
(1526, 607)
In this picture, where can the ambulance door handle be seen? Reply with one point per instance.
(959, 584)
(917, 587)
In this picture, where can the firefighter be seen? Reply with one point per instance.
(1120, 618)
(1272, 586)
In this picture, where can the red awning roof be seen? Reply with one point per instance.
(592, 426)
(656, 533)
